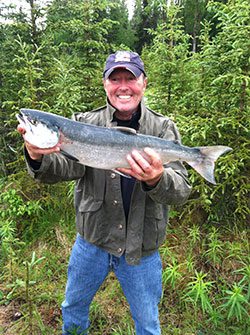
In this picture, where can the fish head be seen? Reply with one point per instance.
(40, 129)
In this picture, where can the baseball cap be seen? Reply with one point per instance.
(128, 60)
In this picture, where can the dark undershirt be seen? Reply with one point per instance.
(127, 184)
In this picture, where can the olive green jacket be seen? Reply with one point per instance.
(100, 216)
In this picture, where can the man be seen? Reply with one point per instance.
(120, 221)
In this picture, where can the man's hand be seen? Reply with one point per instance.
(34, 152)
(147, 168)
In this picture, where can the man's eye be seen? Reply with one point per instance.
(131, 78)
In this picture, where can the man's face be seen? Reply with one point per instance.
(124, 90)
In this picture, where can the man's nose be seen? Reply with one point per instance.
(124, 84)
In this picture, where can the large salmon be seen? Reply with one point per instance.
(107, 148)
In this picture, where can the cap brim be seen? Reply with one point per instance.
(133, 69)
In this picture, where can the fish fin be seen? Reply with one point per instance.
(126, 130)
(121, 174)
(205, 165)
(66, 154)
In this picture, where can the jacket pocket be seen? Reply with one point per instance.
(89, 204)
(89, 191)
(90, 221)
(89, 197)
(154, 227)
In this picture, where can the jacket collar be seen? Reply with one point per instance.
(109, 115)
(143, 118)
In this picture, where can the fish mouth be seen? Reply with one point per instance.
(23, 120)
(26, 119)
(20, 117)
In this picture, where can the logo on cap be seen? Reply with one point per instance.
(122, 56)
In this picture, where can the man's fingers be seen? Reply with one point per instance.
(154, 157)
(138, 163)
(125, 171)
(21, 130)
(145, 166)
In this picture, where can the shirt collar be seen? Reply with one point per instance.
(111, 110)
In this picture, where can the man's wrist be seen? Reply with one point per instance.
(153, 182)
(34, 163)
(36, 158)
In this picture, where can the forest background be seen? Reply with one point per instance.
(196, 53)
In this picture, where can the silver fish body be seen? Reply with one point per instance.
(107, 148)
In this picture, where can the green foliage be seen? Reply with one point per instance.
(235, 303)
(66, 89)
(29, 71)
(194, 235)
(198, 291)
(245, 280)
(13, 209)
(146, 17)
(205, 291)
(120, 331)
(27, 286)
(28, 282)
(77, 34)
(121, 31)
(171, 274)
(214, 250)
(194, 12)
(167, 57)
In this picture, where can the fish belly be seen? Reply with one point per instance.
(97, 156)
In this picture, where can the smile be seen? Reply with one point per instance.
(124, 97)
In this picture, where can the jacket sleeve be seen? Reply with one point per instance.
(173, 187)
(55, 168)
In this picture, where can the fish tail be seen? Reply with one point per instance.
(205, 165)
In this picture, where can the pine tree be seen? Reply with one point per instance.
(121, 33)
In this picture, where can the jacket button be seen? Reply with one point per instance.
(119, 250)
(115, 202)
(112, 175)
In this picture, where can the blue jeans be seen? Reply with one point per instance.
(88, 268)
